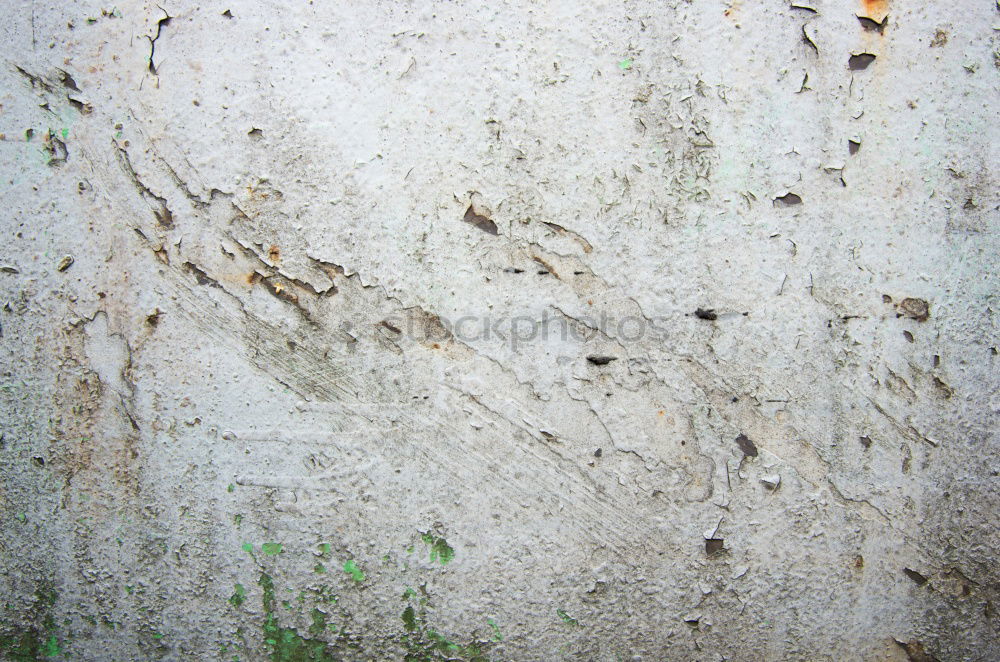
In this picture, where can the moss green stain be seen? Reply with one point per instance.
(319, 569)
(425, 644)
(271, 548)
(285, 644)
(409, 618)
(24, 644)
(351, 568)
(319, 625)
(441, 551)
(239, 595)
(324, 549)
(496, 629)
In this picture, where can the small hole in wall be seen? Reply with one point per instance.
(871, 25)
(860, 62)
(788, 200)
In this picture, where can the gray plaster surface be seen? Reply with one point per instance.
(499, 331)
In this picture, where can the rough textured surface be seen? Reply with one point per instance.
(508, 331)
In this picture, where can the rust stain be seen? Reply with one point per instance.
(874, 9)
(545, 265)
(274, 253)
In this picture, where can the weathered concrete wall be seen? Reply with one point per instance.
(507, 331)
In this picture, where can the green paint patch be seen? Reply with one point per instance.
(231, 488)
(52, 647)
(237, 519)
(271, 548)
(324, 549)
(443, 644)
(351, 568)
(566, 618)
(248, 548)
(625, 64)
(496, 629)
(440, 551)
(21, 517)
(239, 595)
(65, 134)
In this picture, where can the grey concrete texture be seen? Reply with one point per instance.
(499, 330)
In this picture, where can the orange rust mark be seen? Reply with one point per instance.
(875, 9)
(274, 253)
(660, 413)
